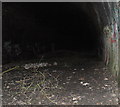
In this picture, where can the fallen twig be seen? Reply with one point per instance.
(9, 70)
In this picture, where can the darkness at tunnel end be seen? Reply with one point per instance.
(31, 29)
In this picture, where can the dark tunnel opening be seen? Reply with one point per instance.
(34, 29)
(59, 53)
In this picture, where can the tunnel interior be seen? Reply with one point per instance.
(59, 53)
(32, 29)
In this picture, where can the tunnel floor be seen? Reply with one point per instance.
(65, 78)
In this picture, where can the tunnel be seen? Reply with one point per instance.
(51, 27)
(59, 46)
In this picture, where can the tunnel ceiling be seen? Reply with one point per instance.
(49, 19)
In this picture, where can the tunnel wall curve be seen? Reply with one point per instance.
(108, 17)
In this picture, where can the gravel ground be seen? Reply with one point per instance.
(65, 79)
